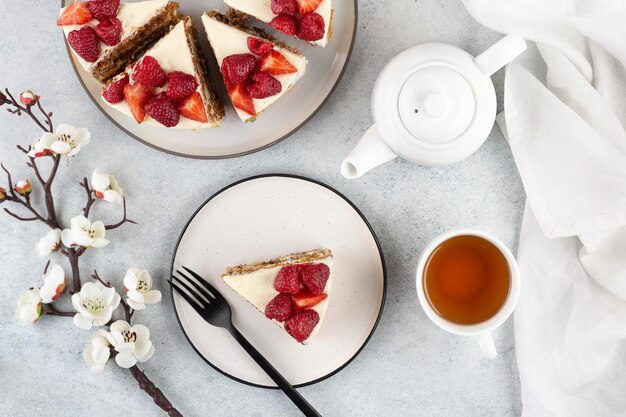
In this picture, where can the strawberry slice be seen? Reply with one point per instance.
(75, 14)
(136, 96)
(305, 299)
(193, 108)
(275, 63)
(241, 99)
(308, 6)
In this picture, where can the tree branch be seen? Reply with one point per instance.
(121, 222)
(90, 199)
(155, 393)
(52, 311)
(24, 219)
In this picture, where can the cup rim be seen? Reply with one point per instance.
(476, 328)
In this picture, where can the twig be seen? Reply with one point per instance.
(24, 219)
(155, 393)
(47, 127)
(90, 199)
(97, 278)
(45, 268)
(52, 311)
(121, 222)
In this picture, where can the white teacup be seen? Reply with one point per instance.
(483, 329)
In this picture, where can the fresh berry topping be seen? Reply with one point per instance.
(241, 99)
(312, 27)
(275, 63)
(259, 47)
(101, 9)
(308, 6)
(284, 6)
(75, 14)
(237, 68)
(193, 108)
(113, 92)
(287, 280)
(262, 85)
(85, 43)
(301, 324)
(180, 85)
(279, 308)
(136, 96)
(162, 109)
(314, 276)
(110, 31)
(149, 73)
(285, 24)
(304, 299)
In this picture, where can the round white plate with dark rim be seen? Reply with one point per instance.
(263, 217)
(283, 118)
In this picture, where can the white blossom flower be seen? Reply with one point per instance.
(84, 233)
(53, 284)
(67, 141)
(49, 243)
(29, 307)
(97, 353)
(106, 187)
(95, 304)
(131, 343)
(138, 285)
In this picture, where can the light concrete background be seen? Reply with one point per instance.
(410, 367)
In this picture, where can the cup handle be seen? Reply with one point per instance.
(487, 347)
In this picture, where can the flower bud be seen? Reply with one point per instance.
(28, 98)
(3, 195)
(23, 187)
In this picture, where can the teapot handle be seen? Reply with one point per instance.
(500, 54)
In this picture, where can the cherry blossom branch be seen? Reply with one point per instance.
(121, 222)
(90, 199)
(155, 393)
(18, 109)
(52, 311)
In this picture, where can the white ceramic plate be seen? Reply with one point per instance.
(235, 138)
(264, 217)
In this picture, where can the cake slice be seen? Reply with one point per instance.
(309, 20)
(106, 35)
(168, 86)
(292, 290)
(257, 69)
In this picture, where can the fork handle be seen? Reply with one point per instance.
(304, 406)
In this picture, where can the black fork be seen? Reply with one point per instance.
(214, 309)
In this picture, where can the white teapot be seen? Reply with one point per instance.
(433, 104)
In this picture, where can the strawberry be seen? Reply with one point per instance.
(162, 109)
(304, 299)
(149, 73)
(237, 68)
(85, 43)
(279, 308)
(312, 27)
(308, 6)
(113, 92)
(136, 96)
(287, 280)
(110, 31)
(275, 63)
(75, 14)
(241, 99)
(193, 108)
(102, 9)
(314, 276)
(284, 6)
(301, 324)
(258, 46)
(262, 85)
(285, 24)
(180, 85)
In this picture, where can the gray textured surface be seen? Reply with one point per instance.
(410, 367)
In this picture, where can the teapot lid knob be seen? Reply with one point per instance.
(437, 104)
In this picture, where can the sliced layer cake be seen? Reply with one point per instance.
(292, 290)
(257, 69)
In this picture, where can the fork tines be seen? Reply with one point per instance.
(198, 292)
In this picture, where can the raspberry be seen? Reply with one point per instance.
(114, 91)
(279, 308)
(84, 42)
(149, 73)
(262, 85)
(284, 6)
(163, 110)
(301, 324)
(237, 68)
(259, 47)
(110, 31)
(285, 23)
(101, 9)
(180, 85)
(312, 27)
(314, 276)
(287, 280)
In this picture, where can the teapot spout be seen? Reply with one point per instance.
(370, 152)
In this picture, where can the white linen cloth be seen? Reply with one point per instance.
(564, 117)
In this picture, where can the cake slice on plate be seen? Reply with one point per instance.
(106, 35)
(292, 290)
(309, 20)
(257, 69)
(168, 86)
